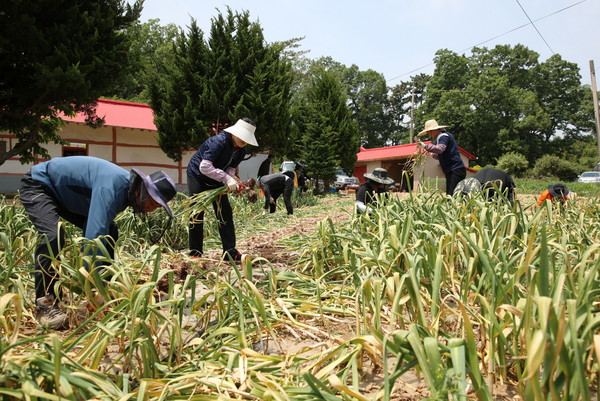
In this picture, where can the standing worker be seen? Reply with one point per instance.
(273, 185)
(265, 167)
(366, 195)
(214, 166)
(444, 149)
(89, 193)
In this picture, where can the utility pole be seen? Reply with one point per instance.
(412, 121)
(595, 97)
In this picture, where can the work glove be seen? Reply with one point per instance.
(232, 184)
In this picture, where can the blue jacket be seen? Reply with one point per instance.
(450, 159)
(87, 186)
(219, 150)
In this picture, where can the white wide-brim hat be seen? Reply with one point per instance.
(430, 125)
(244, 131)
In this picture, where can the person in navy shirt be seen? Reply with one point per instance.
(444, 149)
(275, 185)
(214, 165)
(89, 193)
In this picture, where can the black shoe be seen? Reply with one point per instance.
(233, 254)
(195, 254)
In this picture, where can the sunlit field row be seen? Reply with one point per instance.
(428, 298)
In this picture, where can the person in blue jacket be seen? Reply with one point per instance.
(88, 192)
(444, 149)
(214, 165)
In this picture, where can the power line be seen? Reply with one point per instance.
(537, 30)
(495, 37)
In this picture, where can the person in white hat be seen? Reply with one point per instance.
(444, 148)
(212, 166)
(366, 195)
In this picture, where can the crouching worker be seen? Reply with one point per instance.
(555, 193)
(89, 193)
(366, 195)
(489, 181)
(274, 185)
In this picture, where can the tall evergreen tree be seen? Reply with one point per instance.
(234, 73)
(330, 136)
(57, 57)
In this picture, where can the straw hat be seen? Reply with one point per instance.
(379, 175)
(158, 184)
(431, 125)
(244, 131)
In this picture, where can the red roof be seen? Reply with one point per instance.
(121, 114)
(395, 152)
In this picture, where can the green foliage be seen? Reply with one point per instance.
(536, 187)
(233, 73)
(513, 163)
(504, 100)
(554, 166)
(150, 53)
(405, 99)
(55, 58)
(368, 102)
(330, 137)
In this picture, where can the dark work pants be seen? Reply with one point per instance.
(224, 215)
(45, 213)
(453, 178)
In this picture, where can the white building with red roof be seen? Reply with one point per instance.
(127, 138)
(405, 158)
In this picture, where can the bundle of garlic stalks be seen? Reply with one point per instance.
(202, 201)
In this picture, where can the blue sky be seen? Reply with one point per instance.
(399, 38)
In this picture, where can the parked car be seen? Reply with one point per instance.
(287, 166)
(342, 180)
(589, 176)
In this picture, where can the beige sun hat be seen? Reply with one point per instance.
(244, 131)
(379, 175)
(430, 125)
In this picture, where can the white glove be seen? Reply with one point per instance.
(232, 184)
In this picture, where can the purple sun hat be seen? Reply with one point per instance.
(159, 186)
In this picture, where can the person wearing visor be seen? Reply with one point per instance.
(366, 195)
(89, 193)
(213, 166)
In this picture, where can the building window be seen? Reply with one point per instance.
(75, 149)
(2, 147)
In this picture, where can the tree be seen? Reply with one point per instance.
(57, 58)
(503, 100)
(402, 104)
(330, 136)
(232, 74)
(368, 101)
(150, 52)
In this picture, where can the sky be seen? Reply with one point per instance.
(399, 38)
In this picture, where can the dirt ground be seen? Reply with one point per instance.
(409, 387)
